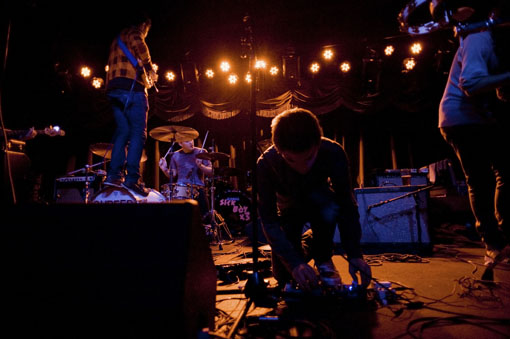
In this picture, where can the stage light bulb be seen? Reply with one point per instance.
(209, 73)
(260, 64)
(416, 48)
(97, 82)
(315, 67)
(248, 78)
(409, 63)
(389, 50)
(225, 66)
(85, 72)
(273, 70)
(345, 67)
(328, 54)
(170, 76)
(232, 79)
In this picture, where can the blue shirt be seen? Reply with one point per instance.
(187, 169)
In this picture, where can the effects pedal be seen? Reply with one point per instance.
(344, 291)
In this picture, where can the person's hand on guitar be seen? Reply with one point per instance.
(31, 133)
(149, 77)
(153, 77)
(53, 131)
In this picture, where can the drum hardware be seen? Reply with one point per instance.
(213, 156)
(90, 177)
(173, 133)
(217, 222)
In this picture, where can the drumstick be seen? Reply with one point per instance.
(205, 139)
(169, 149)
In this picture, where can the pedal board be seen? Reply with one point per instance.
(351, 292)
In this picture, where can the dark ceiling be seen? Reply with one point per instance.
(199, 28)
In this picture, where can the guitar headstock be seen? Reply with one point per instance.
(54, 131)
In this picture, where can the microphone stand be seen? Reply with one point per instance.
(417, 207)
(255, 288)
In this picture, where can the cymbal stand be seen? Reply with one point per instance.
(170, 173)
(217, 222)
(88, 170)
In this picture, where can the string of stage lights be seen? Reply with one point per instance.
(224, 71)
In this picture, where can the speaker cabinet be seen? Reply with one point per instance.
(89, 270)
(19, 170)
(393, 217)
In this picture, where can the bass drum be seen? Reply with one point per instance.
(234, 206)
(122, 195)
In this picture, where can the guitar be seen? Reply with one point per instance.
(31, 133)
(52, 131)
(148, 80)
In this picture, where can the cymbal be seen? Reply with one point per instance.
(213, 156)
(104, 150)
(227, 171)
(265, 144)
(173, 133)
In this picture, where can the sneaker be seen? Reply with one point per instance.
(493, 256)
(329, 274)
(113, 182)
(137, 188)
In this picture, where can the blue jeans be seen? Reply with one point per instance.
(131, 132)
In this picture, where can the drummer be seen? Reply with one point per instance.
(186, 169)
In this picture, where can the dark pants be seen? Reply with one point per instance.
(310, 227)
(483, 155)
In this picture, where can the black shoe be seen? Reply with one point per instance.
(113, 182)
(137, 188)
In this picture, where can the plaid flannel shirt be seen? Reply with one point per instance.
(119, 64)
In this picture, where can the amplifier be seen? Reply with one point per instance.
(73, 189)
(394, 215)
(402, 177)
(16, 145)
(89, 178)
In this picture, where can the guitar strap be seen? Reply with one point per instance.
(128, 53)
(133, 61)
(131, 58)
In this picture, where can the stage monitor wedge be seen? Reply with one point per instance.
(109, 270)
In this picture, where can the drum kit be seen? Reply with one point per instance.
(233, 206)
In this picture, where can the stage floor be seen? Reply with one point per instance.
(438, 295)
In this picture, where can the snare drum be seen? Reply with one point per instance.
(179, 191)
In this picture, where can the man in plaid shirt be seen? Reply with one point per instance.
(126, 88)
